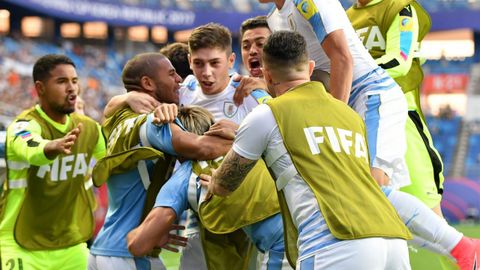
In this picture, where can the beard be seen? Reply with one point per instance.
(64, 108)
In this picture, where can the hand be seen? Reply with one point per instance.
(141, 102)
(223, 128)
(205, 181)
(245, 86)
(380, 176)
(170, 241)
(63, 145)
(165, 113)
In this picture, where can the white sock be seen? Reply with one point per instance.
(419, 242)
(422, 221)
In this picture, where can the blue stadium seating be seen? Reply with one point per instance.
(445, 133)
(448, 67)
(472, 161)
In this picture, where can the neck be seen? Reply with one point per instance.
(279, 3)
(55, 116)
(283, 87)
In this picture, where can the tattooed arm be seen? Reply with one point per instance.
(228, 177)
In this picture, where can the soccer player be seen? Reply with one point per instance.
(258, 216)
(211, 87)
(355, 78)
(430, 231)
(392, 32)
(46, 216)
(253, 35)
(133, 140)
(313, 172)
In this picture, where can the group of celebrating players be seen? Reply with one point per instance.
(319, 159)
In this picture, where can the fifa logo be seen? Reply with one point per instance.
(371, 37)
(339, 140)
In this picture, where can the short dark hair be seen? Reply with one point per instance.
(144, 64)
(285, 50)
(177, 53)
(211, 35)
(253, 23)
(45, 64)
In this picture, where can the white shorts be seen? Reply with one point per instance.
(363, 254)
(192, 254)
(382, 105)
(273, 260)
(116, 263)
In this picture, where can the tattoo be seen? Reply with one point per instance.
(233, 171)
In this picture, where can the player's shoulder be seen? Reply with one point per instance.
(26, 120)
(260, 113)
(23, 127)
(83, 118)
(271, 11)
(190, 83)
(189, 90)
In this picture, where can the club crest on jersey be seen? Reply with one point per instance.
(229, 109)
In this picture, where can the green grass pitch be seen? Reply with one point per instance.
(420, 260)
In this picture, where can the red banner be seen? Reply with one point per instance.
(445, 83)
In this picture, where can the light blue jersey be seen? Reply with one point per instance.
(126, 198)
(266, 234)
(374, 95)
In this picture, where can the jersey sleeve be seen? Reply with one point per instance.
(254, 133)
(26, 143)
(322, 15)
(256, 97)
(401, 43)
(100, 147)
(157, 136)
(260, 96)
(174, 194)
(187, 90)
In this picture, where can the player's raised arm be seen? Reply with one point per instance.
(230, 174)
(139, 102)
(336, 47)
(192, 146)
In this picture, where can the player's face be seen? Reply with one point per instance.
(167, 82)
(252, 49)
(210, 66)
(58, 93)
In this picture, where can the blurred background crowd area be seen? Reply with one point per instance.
(100, 36)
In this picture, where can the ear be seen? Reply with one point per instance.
(40, 88)
(147, 84)
(231, 60)
(311, 67)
